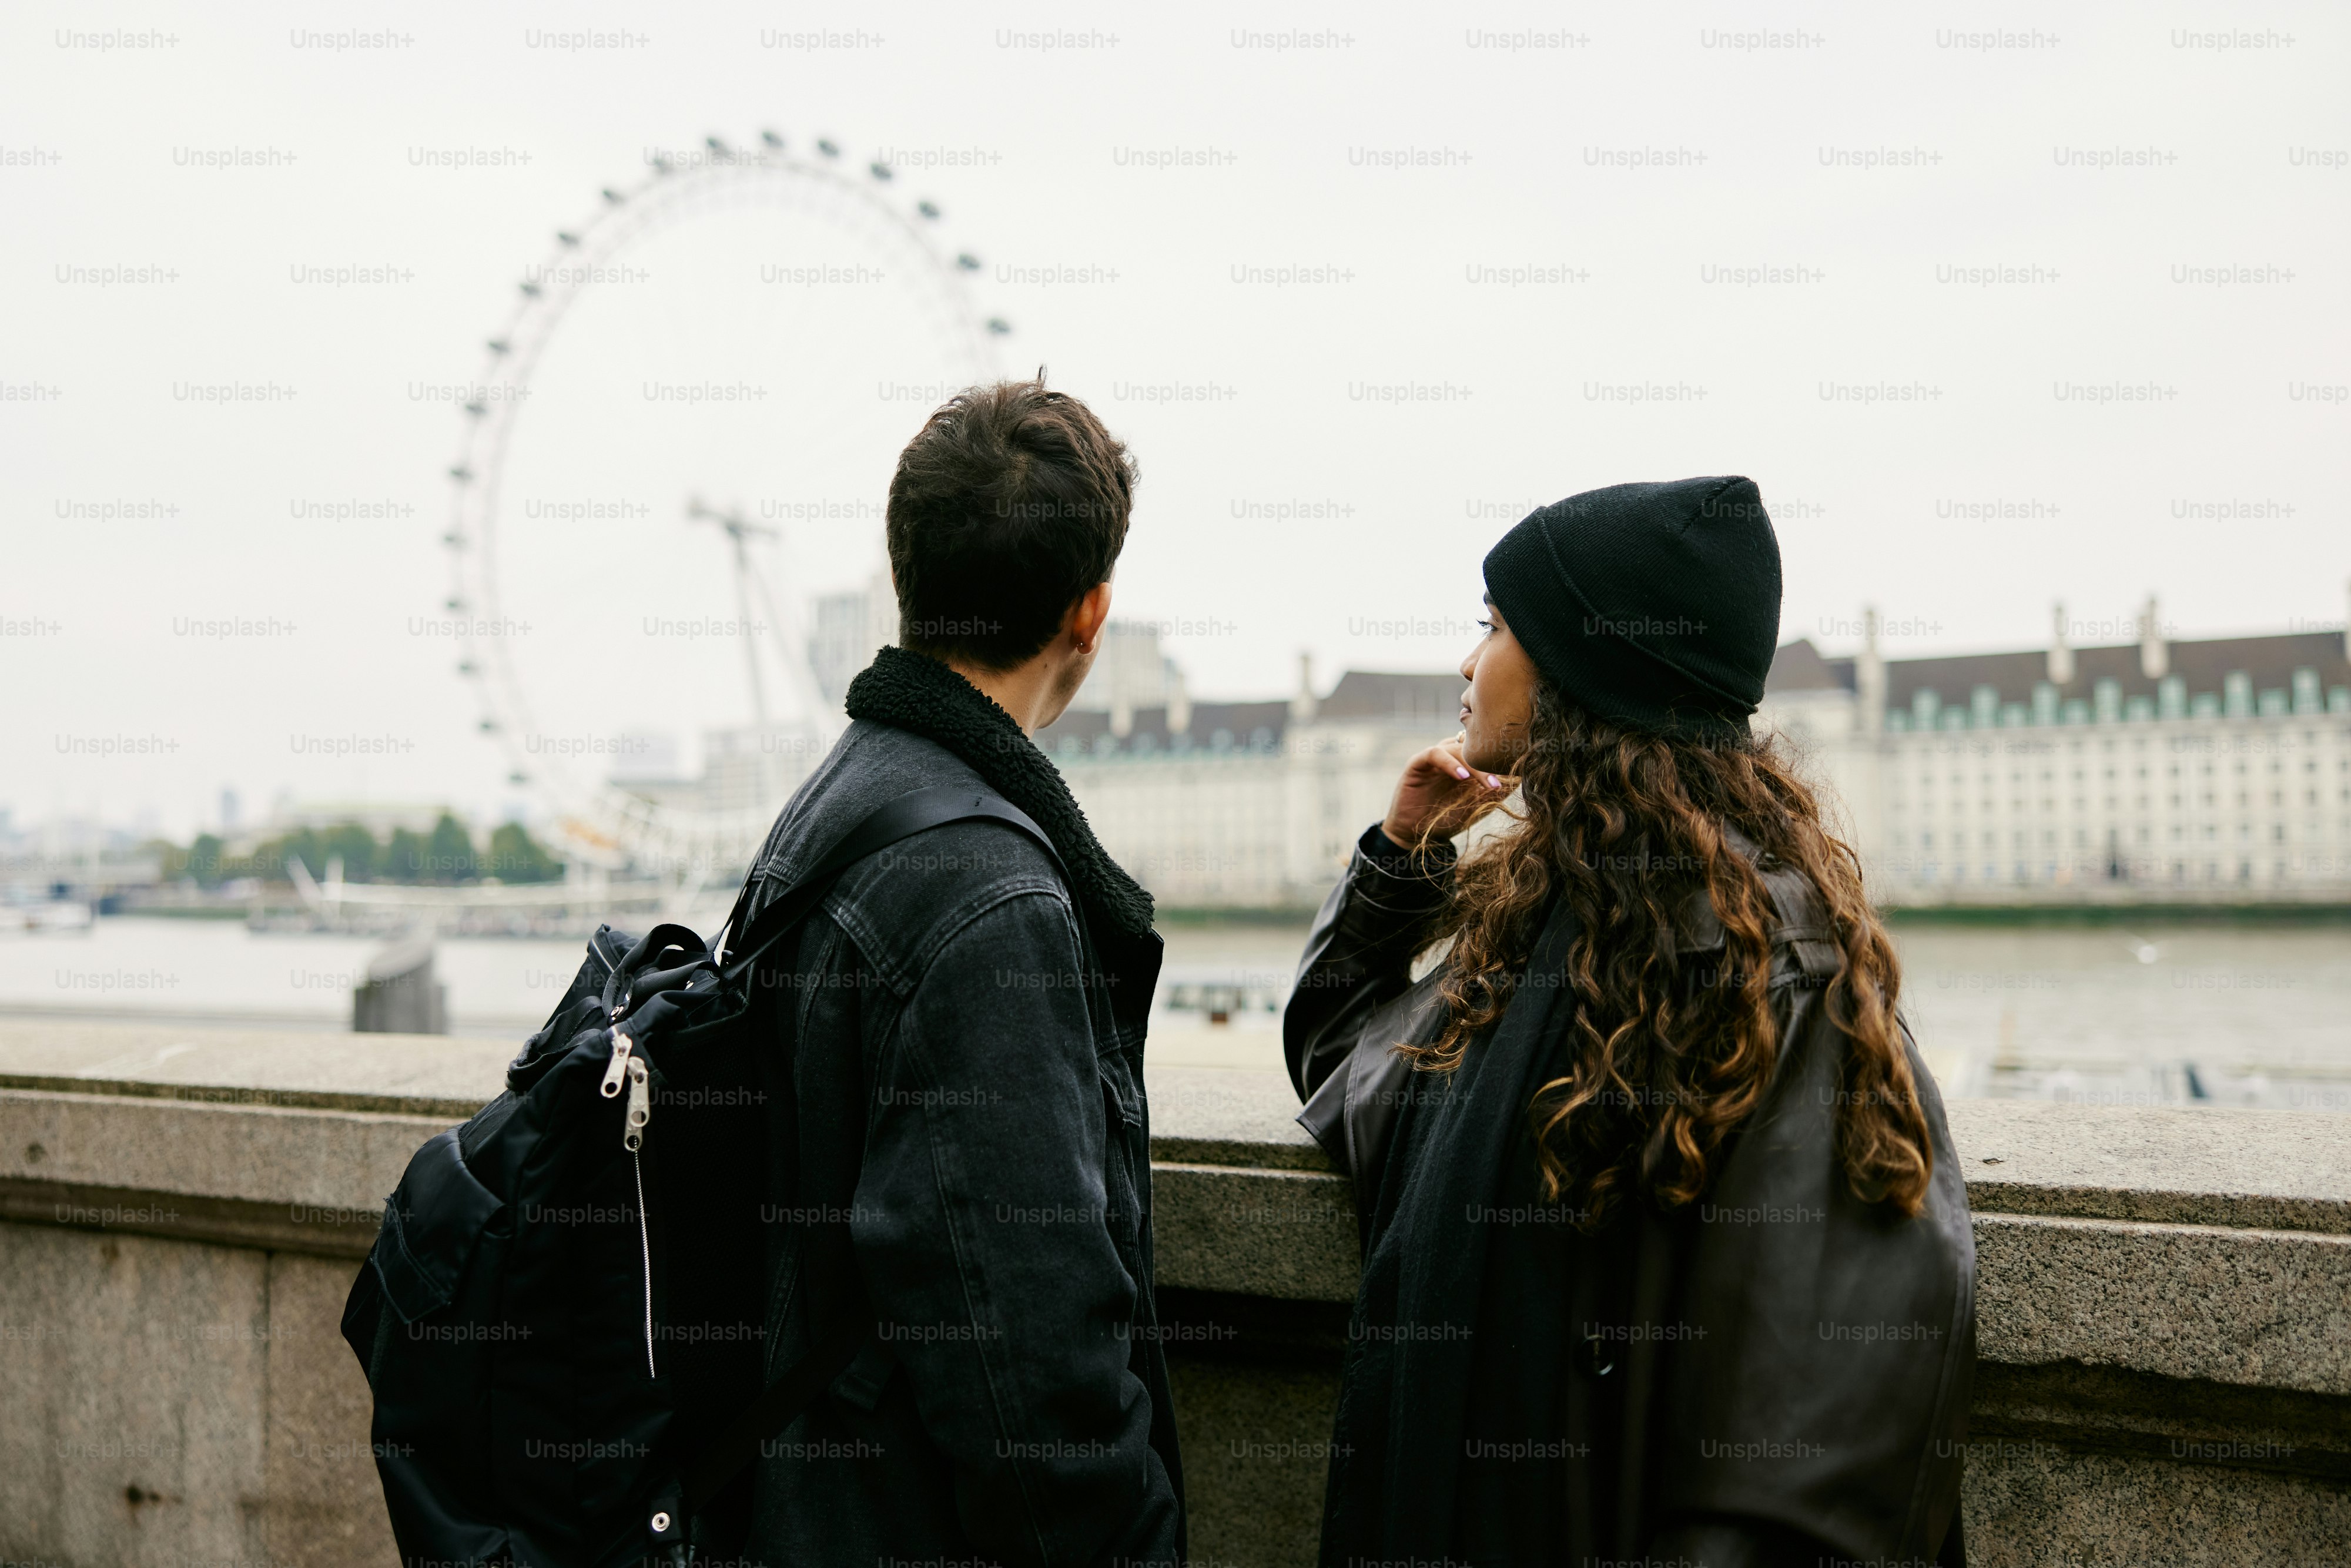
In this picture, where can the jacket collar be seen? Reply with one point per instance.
(919, 694)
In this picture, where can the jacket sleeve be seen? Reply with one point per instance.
(1359, 952)
(983, 1232)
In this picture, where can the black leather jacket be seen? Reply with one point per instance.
(959, 1073)
(1778, 1374)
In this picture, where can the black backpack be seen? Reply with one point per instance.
(513, 1313)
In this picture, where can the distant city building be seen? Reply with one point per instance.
(2151, 771)
(645, 755)
(2159, 770)
(2154, 772)
(1248, 805)
(1130, 674)
(850, 628)
(755, 767)
(744, 768)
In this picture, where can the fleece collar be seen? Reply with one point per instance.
(916, 693)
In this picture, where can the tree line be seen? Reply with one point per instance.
(446, 856)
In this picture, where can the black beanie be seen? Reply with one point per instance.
(1657, 606)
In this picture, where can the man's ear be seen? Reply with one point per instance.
(1089, 615)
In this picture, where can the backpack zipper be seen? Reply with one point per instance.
(627, 1066)
(618, 1068)
(644, 1239)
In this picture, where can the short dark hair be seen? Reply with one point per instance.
(1008, 506)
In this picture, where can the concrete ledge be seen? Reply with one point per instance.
(2154, 1471)
(1210, 1117)
(2164, 1305)
(2208, 1245)
(2277, 1170)
(2262, 1307)
(407, 1074)
(2130, 1415)
(330, 1170)
(345, 1234)
(1286, 1234)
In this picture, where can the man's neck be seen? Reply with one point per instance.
(1029, 693)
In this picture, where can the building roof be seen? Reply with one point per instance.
(1412, 698)
(1361, 696)
(2270, 661)
(1242, 721)
(1799, 667)
(1389, 697)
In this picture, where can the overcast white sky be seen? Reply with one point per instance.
(1514, 211)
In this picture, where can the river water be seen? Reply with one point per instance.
(2210, 1013)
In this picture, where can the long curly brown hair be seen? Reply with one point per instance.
(1670, 1052)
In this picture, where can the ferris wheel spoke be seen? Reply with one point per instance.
(832, 195)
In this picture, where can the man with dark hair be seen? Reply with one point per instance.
(1009, 508)
(957, 1143)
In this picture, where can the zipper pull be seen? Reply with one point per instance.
(620, 1065)
(640, 1106)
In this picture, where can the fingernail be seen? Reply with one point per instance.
(1496, 783)
(1461, 773)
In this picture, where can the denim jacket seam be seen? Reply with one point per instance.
(906, 961)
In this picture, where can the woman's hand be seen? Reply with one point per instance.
(1432, 781)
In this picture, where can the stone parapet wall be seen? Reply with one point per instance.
(2164, 1307)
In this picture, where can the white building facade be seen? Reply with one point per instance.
(2157, 772)
(2162, 771)
(1242, 806)
(2210, 772)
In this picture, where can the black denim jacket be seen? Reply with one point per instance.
(958, 1073)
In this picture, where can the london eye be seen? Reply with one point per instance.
(738, 338)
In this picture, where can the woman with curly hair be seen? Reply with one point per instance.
(1666, 1255)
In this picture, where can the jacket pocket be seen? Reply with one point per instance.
(437, 1448)
(1120, 1095)
(432, 1223)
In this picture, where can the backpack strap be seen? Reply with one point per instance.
(741, 948)
(782, 1401)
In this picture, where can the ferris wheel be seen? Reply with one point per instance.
(849, 219)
